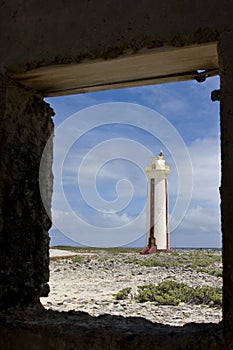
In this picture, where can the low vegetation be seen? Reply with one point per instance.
(110, 251)
(207, 261)
(123, 293)
(172, 293)
(168, 292)
(78, 259)
(201, 260)
(211, 271)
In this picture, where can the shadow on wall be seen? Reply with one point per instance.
(35, 328)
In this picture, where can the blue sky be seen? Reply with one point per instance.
(101, 171)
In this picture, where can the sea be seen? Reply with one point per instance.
(59, 239)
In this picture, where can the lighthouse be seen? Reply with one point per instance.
(157, 206)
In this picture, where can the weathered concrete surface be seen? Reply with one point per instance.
(50, 330)
(153, 66)
(25, 126)
(35, 34)
(127, 43)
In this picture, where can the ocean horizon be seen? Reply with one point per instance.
(59, 239)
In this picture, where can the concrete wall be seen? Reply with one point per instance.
(25, 126)
(35, 329)
(35, 37)
(36, 33)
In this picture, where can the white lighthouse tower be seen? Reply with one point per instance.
(157, 206)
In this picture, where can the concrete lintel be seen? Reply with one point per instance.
(163, 65)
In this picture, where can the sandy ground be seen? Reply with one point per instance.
(90, 285)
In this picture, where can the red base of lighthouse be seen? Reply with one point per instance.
(145, 250)
(152, 247)
(149, 250)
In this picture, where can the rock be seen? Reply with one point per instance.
(90, 287)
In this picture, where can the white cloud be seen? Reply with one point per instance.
(202, 220)
(205, 155)
(206, 169)
(200, 228)
(100, 229)
(162, 99)
(115, 166)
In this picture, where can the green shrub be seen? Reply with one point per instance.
(78, 259)
(172, 293)
(123, 293)
(206, 295)
(210, 271)
(167, 292)
(104, 258)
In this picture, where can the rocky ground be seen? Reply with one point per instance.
(89, 280)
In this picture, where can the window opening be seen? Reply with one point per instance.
(116, 279)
